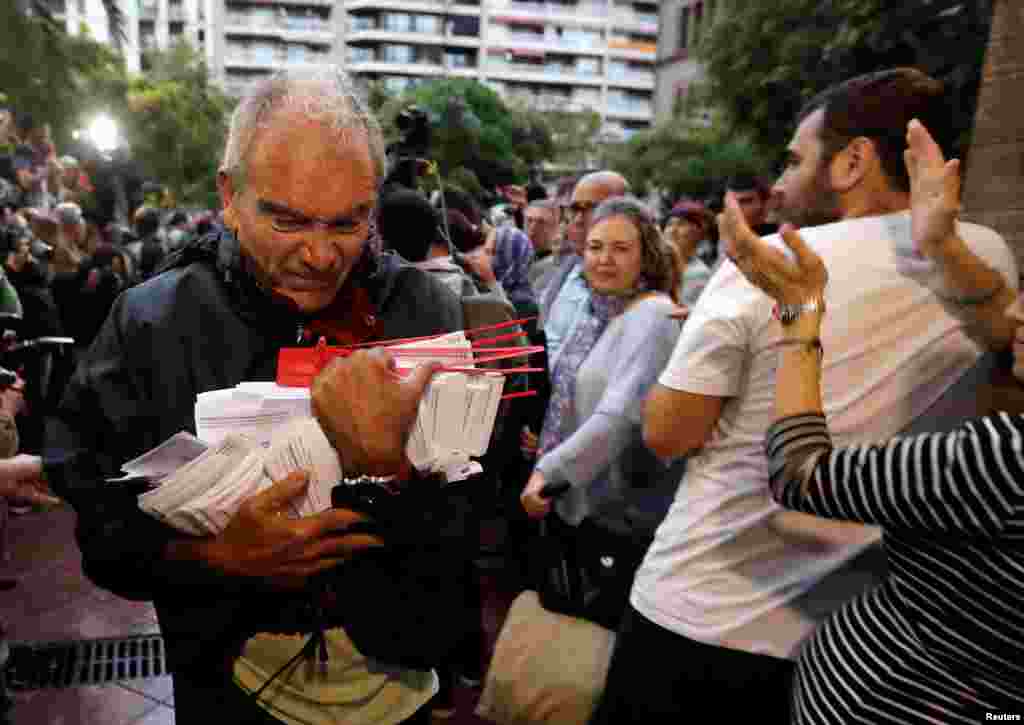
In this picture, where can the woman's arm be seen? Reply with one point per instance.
(964, 482)
(979, 294)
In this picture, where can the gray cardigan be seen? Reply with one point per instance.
(615, 480)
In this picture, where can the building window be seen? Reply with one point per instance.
(398, 22)
(457, 59)
(464, 26)
(363, 22)
(262, 52)
(429, 24)
(359, 54)
(588, 66)
(398, 53)
(579, 38)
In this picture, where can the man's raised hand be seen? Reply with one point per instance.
(934, 190)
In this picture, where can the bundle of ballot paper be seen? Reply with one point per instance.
(258, 432)
(202, 496)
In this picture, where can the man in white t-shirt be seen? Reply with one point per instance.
(733, 584)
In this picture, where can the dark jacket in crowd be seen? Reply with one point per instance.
(40, 318)
(204, 324)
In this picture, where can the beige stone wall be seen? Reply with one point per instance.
(994, 183)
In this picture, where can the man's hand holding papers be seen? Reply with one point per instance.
(366, 408)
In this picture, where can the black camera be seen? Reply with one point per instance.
(40, 249)
(7, 378)
(398, 512)
(405, 155)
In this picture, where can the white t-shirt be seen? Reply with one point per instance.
(728, 566)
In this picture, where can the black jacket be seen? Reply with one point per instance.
(202, 324)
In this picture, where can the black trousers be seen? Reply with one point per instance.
(658, 676)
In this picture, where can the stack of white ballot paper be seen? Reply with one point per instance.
(257, 433)
(202, 496)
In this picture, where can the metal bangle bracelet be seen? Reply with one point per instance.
(978, 299)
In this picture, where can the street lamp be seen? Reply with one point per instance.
(102, 132)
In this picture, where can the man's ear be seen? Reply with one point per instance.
(228, 199)
(854, 164)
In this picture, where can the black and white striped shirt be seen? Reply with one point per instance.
(942, 640)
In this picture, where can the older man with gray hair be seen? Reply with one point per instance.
(245, 613)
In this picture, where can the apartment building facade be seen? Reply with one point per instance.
(551, 54)
(681, 26)
(148, 25)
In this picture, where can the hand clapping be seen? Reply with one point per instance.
(934, 190)
(768, 268)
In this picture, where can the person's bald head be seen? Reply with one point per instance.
(590, 191)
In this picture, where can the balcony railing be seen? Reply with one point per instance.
(550, 43)
(629, 109)
(629, 77)
(548, 9)
(300, 24)
(634, 46)
(238, 56)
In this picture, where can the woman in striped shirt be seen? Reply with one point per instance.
(942, 640)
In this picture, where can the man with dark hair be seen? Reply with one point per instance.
(410, 226)
(148, 248)
(752, 195)
(733, 586)
(872, 106)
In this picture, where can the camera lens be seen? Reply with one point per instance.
(41, 249)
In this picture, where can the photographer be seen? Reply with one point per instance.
(408, 157)
(40, 317)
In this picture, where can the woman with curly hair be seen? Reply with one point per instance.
(592, 439)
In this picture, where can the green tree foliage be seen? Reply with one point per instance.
(173, 119)
(473, 128)
(575, 137)
(677, 159)
(766, 59)
(177, 123)
(45, 71)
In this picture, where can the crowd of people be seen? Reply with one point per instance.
(65, 258)
(710, 419)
